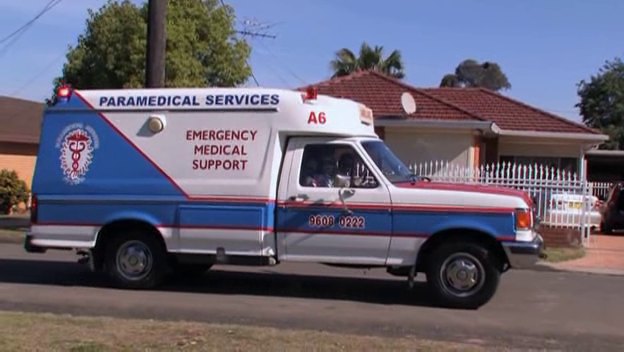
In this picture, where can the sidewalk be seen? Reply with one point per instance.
(605, 255)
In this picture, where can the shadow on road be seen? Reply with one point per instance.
(229, 283)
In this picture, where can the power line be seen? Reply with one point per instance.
(26, 25)
(255, 80)
(36, 75)
(13, 37)
(283, 65)
(276, 73)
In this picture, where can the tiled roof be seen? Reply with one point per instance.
(20, 120)
(383, 94)
(507, 113)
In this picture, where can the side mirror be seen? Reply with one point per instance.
(342, 181)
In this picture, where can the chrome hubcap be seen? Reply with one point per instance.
(462, 274)
(134, 260)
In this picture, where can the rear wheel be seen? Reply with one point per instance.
(463, 275)
(136, 260)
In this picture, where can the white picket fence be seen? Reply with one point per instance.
(562, 199)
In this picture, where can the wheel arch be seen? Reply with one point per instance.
(118, 227)
(466, 234)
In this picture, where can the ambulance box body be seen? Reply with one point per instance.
(150, 183)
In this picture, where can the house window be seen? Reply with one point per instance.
(564, 164)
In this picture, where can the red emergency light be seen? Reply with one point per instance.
(310, 94)
(63, 92)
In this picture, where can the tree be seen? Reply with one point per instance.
(202, 49)
(369, 58)
(602, 102)
(470, 73)
(13, 191)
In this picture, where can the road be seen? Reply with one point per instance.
(532, 309)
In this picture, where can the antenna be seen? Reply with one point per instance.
(408, 103)
(255, 28)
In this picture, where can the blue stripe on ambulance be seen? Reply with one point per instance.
(172, 213)
(409, 223)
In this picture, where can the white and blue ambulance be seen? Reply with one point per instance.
(148, 183)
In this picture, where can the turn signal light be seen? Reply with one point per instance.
(524, 219)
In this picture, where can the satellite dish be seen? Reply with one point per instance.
(408, 103)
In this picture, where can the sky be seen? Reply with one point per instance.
(544, 47)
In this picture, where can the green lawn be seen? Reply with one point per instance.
(47, 332)
(556, 255)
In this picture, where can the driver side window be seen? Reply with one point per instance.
(330, 165)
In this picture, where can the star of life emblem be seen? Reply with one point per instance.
(77, 144)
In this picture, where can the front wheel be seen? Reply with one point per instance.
(462, 275)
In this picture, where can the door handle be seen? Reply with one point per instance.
(299, 198)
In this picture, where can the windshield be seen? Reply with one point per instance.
(391, 166)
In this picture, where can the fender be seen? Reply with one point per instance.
(165, 230)
(469, 225)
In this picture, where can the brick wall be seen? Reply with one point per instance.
(19, 157)
(560, 237)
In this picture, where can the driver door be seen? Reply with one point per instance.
(321, 218)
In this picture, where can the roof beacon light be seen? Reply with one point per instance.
(311, 94)
(63, 92)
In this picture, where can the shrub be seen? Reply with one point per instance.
(13, 191)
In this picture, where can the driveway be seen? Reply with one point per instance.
(532, 309)
(604, 255)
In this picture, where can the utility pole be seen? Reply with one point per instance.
(156, 43)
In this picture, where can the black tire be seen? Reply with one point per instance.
(476, 261)
(146, 249)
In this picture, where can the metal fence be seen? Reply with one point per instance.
(561, 198)
(601, 189)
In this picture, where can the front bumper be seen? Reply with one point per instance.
(523, 255)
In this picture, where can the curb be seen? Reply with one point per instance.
(12, 239)
(581, 269)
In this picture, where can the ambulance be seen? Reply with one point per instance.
(147, 184)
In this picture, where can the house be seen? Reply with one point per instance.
(465, 126)
(605, 165)
(20, 122)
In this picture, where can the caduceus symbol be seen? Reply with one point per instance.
(76, 143)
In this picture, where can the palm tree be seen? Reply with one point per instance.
(369, 59)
